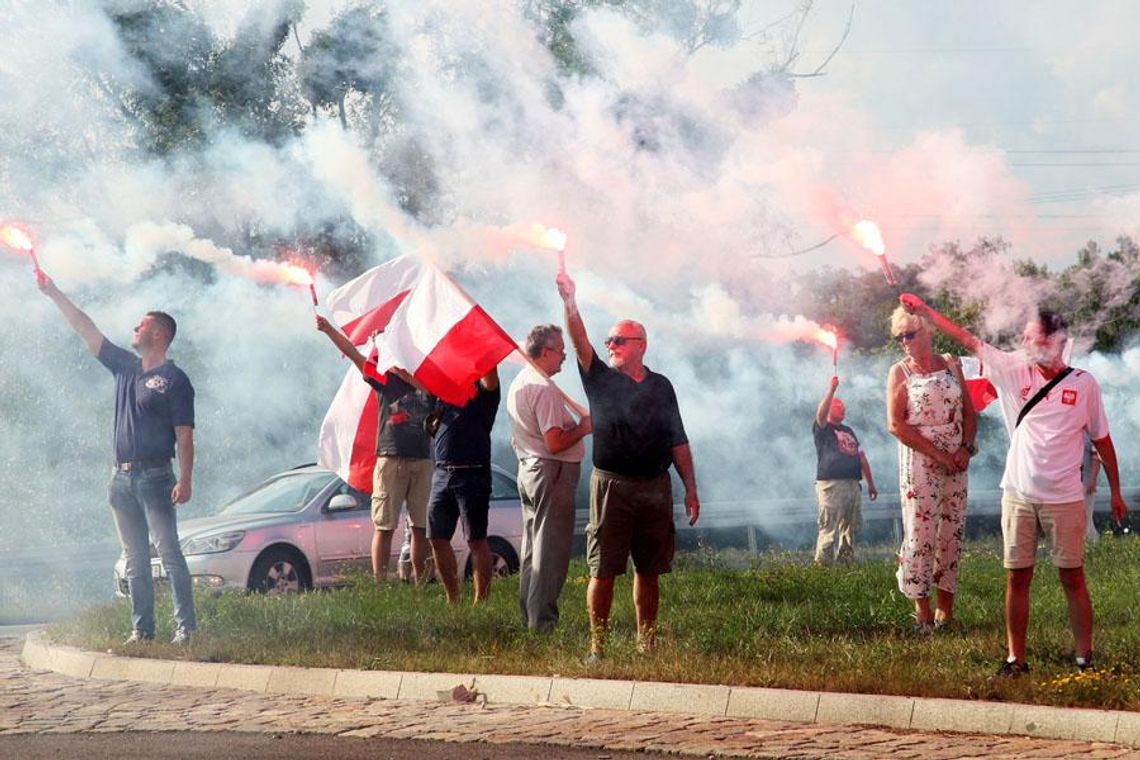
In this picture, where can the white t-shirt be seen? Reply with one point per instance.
(1046, 449)
(535, 406)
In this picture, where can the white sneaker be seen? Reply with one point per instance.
(181, 637)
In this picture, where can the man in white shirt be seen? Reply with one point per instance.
(548, 443)
(1041, 487)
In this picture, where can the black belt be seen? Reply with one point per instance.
(141, 464)
(453, 467)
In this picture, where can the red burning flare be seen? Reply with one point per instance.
(830, 338)
(867, 234)
(17, 238)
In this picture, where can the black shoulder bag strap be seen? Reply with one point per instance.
(1042, 394)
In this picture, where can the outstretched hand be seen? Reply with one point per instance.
(834, 382)
(323, 324)
(566, 286)
(43, 282)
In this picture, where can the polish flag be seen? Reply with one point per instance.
(347, 441)
(981, 390)
(443, 338)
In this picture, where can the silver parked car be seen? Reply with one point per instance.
(306, 528)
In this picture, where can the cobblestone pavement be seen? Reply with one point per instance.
(44, 702)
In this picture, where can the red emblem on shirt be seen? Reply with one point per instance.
(1025, 392)
(1069, 396)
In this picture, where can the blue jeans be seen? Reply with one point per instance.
(140, 498)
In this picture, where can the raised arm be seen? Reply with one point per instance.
(341, 341)
(574, 326)
(76, 317)
(824, 409)
(916, 305)
(1107, 453)
(490, 381)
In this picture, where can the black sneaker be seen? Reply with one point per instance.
(1086, 664)
(1013, 669)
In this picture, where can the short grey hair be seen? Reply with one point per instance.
(539, 338)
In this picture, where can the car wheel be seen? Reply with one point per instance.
(504, 560)
(279, 571)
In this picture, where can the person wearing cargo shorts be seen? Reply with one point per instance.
(402, 473)
(1041, 487)
(638, 435)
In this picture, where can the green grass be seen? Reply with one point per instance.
(777, 621)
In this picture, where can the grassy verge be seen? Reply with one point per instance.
(777, 622)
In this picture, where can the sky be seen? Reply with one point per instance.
(684, 181)
(1037, 103)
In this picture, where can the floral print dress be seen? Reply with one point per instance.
(933, 500)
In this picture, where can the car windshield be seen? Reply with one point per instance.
(286, 493)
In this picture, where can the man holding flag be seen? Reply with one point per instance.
(638, 434)
(403, 470)
(444, 343)
(461, 485)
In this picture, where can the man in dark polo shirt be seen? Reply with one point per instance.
(637, 434)
(461, 485)
(402, 475)
(840, 464)
(154, 417)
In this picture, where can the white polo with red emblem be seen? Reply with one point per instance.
(1046, 449)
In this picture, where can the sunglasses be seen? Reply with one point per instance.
(905, 336)
(620, 340)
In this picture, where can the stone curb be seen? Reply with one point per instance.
(918, 713)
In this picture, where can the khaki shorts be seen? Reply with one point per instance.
(629, 517)
(1022, 522)
(397, 480)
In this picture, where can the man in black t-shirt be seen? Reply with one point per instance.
(402, 475)
(461, 485)
(638, 434)
(839, 465)
(154, 418)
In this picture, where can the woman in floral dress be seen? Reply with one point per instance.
(930, 413)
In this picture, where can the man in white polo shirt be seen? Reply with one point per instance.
(1048, 408)
(548, 443)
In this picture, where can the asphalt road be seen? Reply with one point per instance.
(212, 746)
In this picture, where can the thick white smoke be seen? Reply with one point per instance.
(673, 176)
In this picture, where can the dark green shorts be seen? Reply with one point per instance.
(630, 517)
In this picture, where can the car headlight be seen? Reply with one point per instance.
(213, 544)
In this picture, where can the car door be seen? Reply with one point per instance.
(343, 538)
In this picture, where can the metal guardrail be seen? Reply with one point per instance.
(776, 514)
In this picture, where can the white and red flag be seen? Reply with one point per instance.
(361, 307)
(981, 390)
(443, 338)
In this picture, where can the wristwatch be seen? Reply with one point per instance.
(970, 447)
